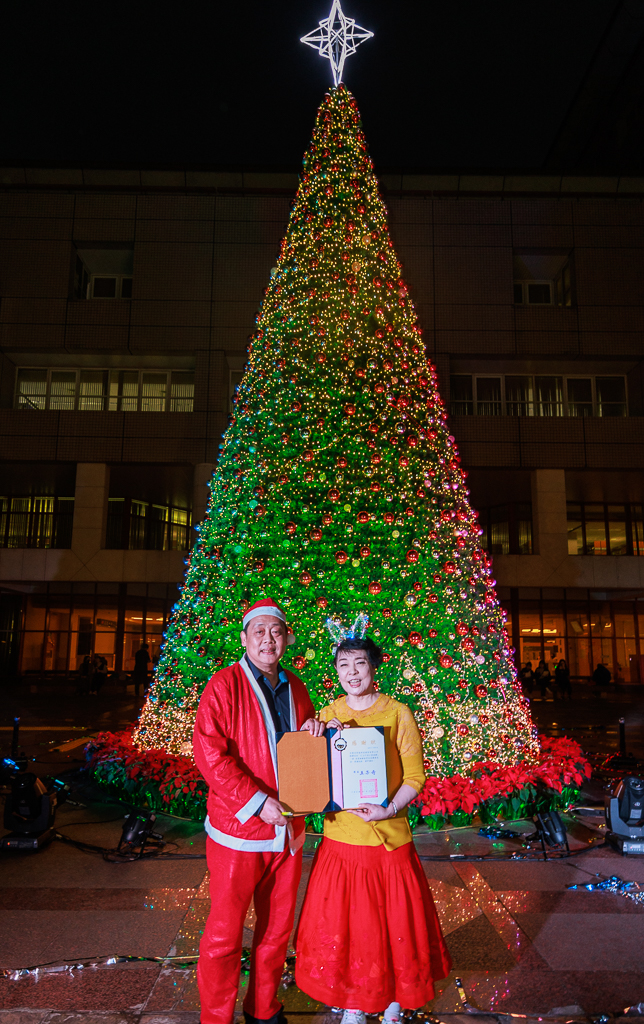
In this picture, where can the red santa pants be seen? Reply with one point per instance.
(236, 876)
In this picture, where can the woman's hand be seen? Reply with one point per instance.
(335, 723)
(372, 812)
(313, 726)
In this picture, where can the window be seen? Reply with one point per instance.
(519, 396)
(461, 395)
(488, 396)
(542, 279)
(611, 396)
(507, 529)
(64, 622)
(584, 632)
(523, 395)
(103, 273)
(134, 525)
(30, 522)
(602, 529)
(105, 390)
(580, 396)
(549, 396)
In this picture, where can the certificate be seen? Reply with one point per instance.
(342, 769)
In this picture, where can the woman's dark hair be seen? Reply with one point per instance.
(373, 652)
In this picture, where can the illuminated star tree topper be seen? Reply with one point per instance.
(336, 38)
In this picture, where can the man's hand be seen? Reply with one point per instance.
(271, 812)
(313, 726)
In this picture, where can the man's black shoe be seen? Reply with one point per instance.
(277, 1018)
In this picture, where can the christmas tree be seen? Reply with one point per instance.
(339, 489)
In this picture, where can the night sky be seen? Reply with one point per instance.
(226, 83)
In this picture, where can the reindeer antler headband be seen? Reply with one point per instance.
(339, 632)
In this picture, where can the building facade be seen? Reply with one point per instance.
(126, 301)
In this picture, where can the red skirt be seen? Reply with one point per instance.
(368, 933)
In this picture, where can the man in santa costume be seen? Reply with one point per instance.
(253, 850)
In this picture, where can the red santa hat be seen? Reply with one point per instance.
(268, 607)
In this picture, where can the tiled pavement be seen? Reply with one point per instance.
(521, 942)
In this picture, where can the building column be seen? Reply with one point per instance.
(549, 519)
(200, 491)
(90, 509)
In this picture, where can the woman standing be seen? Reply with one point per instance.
(369, 937)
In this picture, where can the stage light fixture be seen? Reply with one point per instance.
(29, 809)
(137, 831)
(551, 832)
(625, 815)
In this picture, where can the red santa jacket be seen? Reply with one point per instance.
(235, 750)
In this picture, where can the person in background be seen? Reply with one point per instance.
(526, 675)
(601, 678)
(562, 679)
(85, 674)
(140, 674)
(543, 678)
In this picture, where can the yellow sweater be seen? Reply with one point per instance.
(404, 764)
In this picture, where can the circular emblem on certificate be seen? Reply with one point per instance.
(340, 743)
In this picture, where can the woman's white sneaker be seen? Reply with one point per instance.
(354, 1017)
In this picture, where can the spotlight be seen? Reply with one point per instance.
(29, 810)
(551, 831)
(625, 815)
(137, 830)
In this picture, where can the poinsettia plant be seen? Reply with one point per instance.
(173, 783)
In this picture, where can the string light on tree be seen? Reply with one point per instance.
(339, 489)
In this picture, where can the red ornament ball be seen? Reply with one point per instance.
(415, 639)
(327, 683)
(481, 690)
(452, 698)
(259, 565)
(462, 629)
(412, 556)
(446, 661)
(349, 409)
(432, 598)
(387, 613)
(467, 644)
(449, 567)
(433, 633)
(290, 528)
(299, 662)
(342, 462)
(306, 578)
(388, 517)
(334, 494)
(341, 557)
(322, 602)
(307, 456)
(327, 519)
(365, 551)
(316, 533)
(363, 517)
(374, 588)
(462, 730)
